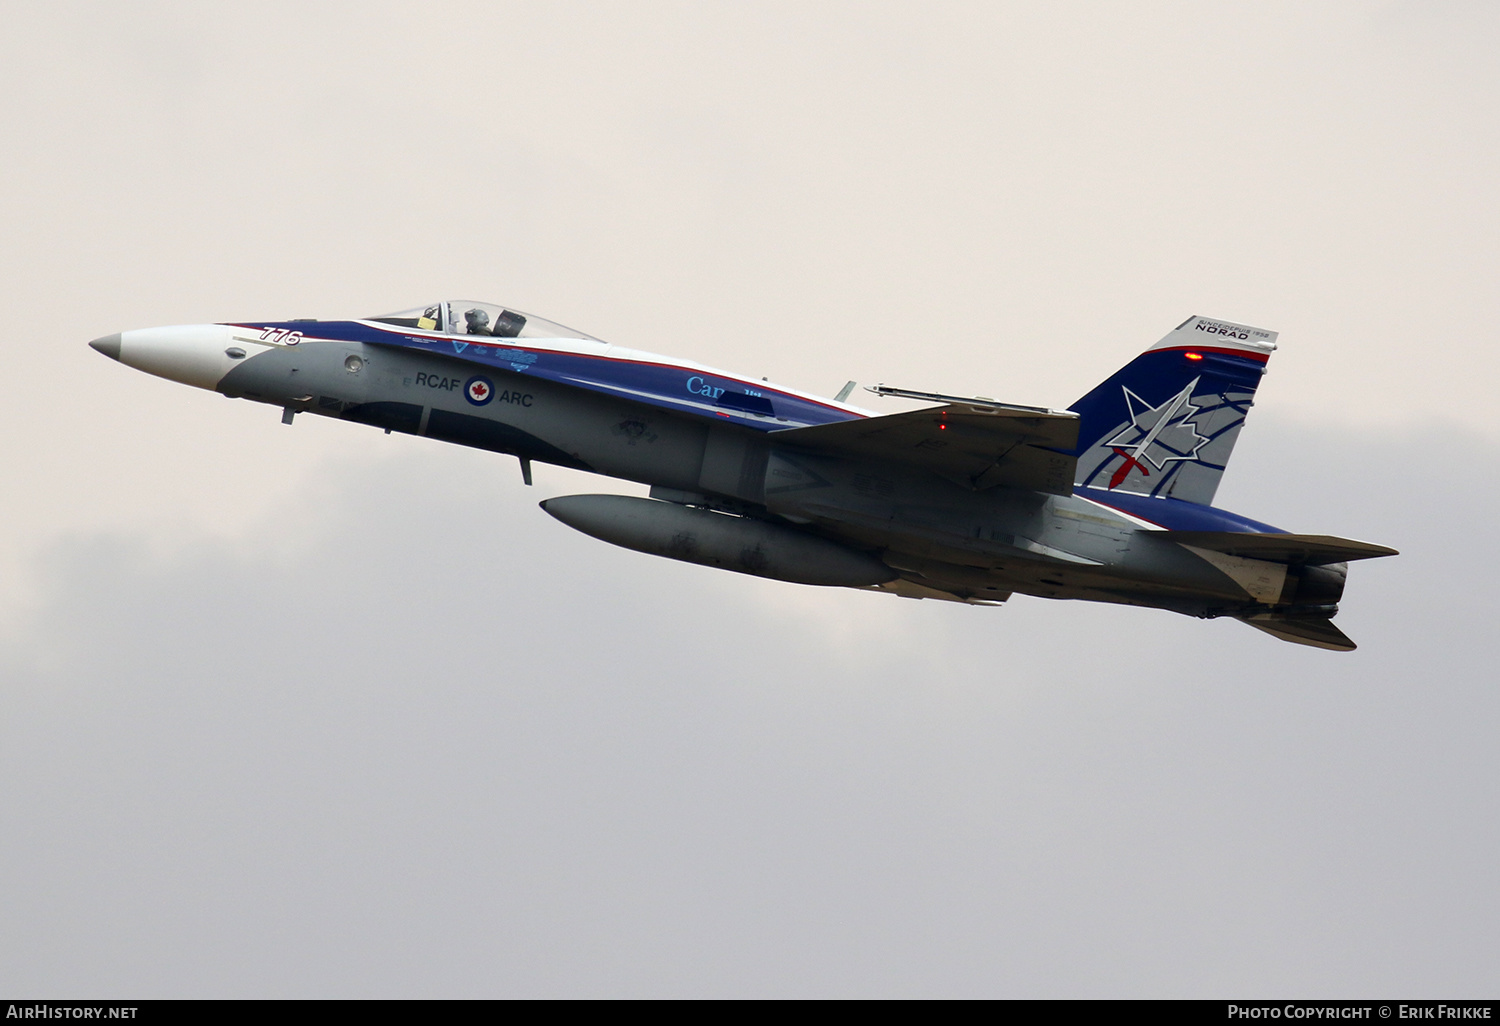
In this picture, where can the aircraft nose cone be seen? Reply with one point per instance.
(109, 345)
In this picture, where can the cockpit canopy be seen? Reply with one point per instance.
(462, 317)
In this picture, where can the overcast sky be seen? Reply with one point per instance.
(314, 711)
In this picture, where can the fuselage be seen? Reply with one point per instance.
(708, 439)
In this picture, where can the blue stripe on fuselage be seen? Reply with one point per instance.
(1174, 514)
(682, 389)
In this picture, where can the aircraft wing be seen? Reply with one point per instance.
(977, 446)
(1281, 548)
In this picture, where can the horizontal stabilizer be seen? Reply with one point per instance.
(975, 445)
(1316, 631)
(1316, 549)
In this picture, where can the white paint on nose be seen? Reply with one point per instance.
(194, 354)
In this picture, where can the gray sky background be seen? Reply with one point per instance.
(316, 711)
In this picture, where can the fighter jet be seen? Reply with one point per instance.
(966, 499)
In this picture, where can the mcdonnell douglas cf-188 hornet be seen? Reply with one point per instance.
(966, 499)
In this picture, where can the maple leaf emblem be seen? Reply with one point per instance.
(1157, 435)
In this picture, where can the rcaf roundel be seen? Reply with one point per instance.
(479, 390)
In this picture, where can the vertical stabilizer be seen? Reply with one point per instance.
(1166, 423)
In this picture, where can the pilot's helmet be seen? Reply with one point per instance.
(478, 321)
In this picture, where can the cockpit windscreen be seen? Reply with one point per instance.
(465, 317)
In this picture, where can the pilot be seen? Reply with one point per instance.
(478, 321)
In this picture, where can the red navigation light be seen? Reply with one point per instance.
(1193, 356)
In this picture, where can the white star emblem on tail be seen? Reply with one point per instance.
(1158, 434)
